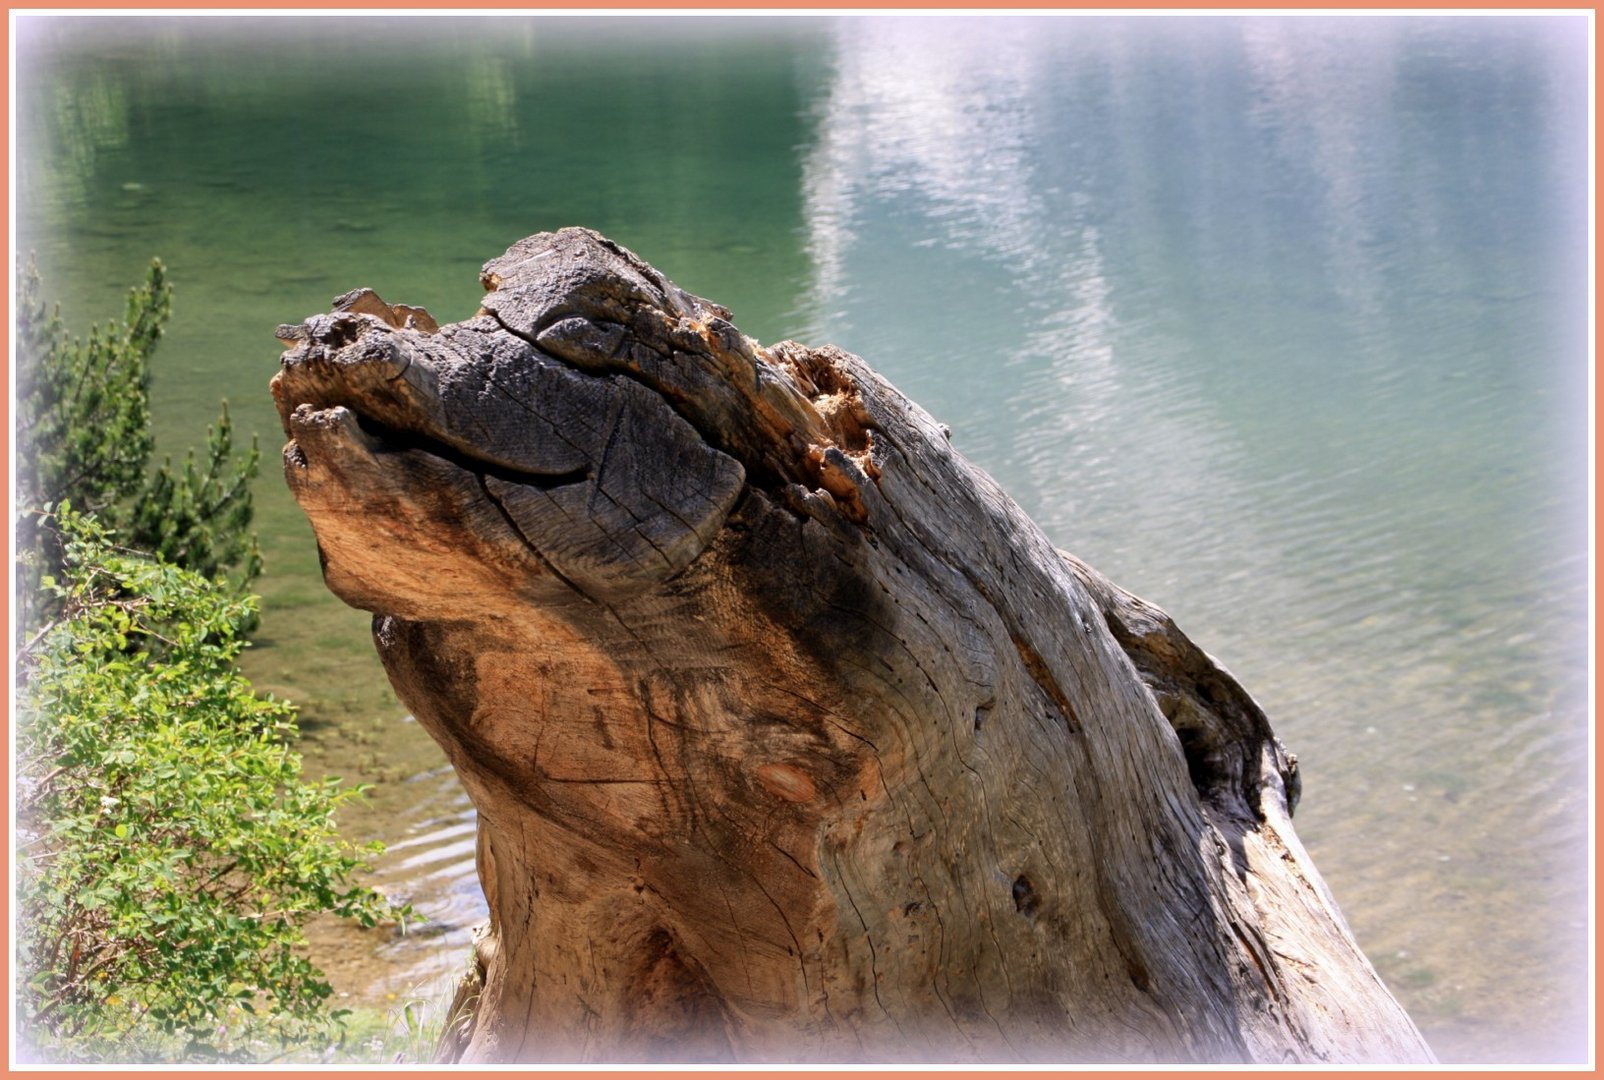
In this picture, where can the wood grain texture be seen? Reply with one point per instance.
(791, 736)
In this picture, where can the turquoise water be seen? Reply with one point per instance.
(1280, 322)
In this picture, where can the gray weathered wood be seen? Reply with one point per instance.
(791, 737)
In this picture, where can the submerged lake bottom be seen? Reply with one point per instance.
(430, 866)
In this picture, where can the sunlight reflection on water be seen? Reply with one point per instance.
(1237, 310)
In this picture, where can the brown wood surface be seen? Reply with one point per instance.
(790, 735)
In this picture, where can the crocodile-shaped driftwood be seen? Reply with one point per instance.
(791, 737)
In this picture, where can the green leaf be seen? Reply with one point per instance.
(164, 817)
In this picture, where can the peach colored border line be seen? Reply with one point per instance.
(623, 8)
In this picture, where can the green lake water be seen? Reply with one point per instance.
(1279, 322)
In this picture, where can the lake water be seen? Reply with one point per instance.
(1279, 322)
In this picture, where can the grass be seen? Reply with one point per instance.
(403, 1033)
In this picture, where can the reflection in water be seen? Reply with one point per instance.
(909, 114)
(491, 101)
(85, 121)
(1248, 312)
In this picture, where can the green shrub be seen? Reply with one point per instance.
(168, 851)
(83, 437)
(83, 416)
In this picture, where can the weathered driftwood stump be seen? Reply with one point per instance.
(791, 737)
